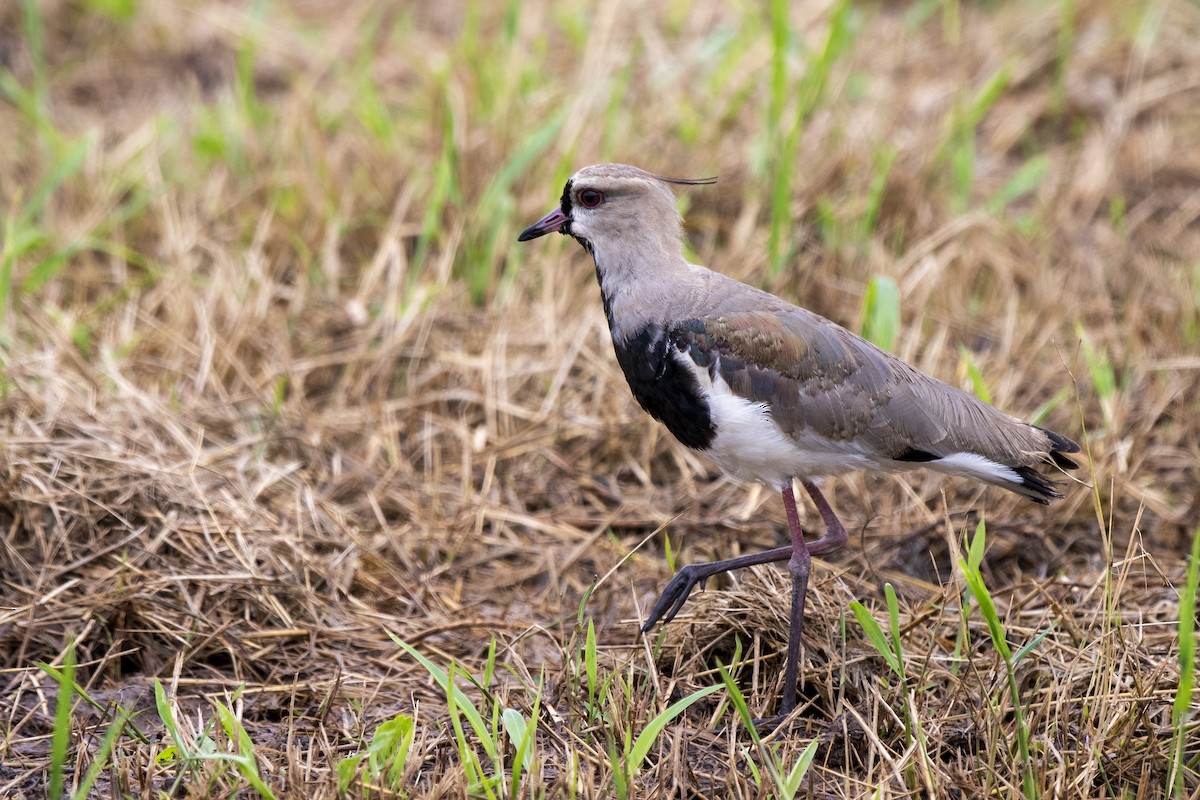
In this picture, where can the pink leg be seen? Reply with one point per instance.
(799, 566)
(799, 557)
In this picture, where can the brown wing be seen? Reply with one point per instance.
(818, 377)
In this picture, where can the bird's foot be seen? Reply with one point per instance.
(676, 594)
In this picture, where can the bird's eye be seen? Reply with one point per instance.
(590, 198)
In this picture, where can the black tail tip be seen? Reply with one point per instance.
(1060, 444)
(1036, 486)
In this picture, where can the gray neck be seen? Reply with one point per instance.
(643, 285)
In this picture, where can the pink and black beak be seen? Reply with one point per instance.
(555, 222)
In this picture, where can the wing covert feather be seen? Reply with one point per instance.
(818, 378)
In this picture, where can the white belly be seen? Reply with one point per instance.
(751, 447)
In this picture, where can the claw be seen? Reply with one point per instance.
(675, 595)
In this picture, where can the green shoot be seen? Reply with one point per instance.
(1103, 375)
(583, 601)
(875, 635)
(162, 705)
(495, 209)
(454, 696)
(784, 134)
(33, 102)
(445, 190)
(1181, 710)
(884, 159)
(669, 554)
(590, 665)
(958, 148)
(786, 780)
(983, 598)
(649, 735)
(978, 384)
(386, 755)
(206, 749)
(23, 234)
(893, 654)
(116, 10)
(523, 735)
(100, 759)
(1024, 181)
(60, 739)
(244, 759)
(476, 779)
(1044, 411)
(521, 732)
(1117, 213)
(881, 312)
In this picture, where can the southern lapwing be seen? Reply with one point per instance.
(768, 391)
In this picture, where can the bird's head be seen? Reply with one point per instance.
(607, 204)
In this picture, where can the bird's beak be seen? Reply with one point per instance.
(555, 221)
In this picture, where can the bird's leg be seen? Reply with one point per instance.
(835, 537)
(799, 556)
(677, 591)
(799, 565)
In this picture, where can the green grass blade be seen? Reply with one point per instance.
(1047, 408)
(476, 778)
(526, 746)
(977, 546)
(792, 781)
(387, 753)
(983, 598)
(645, 740)
(875, 636)
(1032, 643)
(67, 166)
(60, 739)
(590, 662)
(245, 762)
(978, 384)
(453, 692)
(881, 312)
(517, 729)
(1100, 368)
(100, 758)
(985, 98)
(163, 706)
(893, 607)
(36, 43)
(347, 768)
(1025, 180)
(739, 703)
(1182, 709)
(583, 601)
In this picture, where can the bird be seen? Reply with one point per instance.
(769, 391)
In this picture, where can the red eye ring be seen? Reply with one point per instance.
(590, 198)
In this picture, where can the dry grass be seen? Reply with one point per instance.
(252, 420)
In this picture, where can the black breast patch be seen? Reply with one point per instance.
(667, 389)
